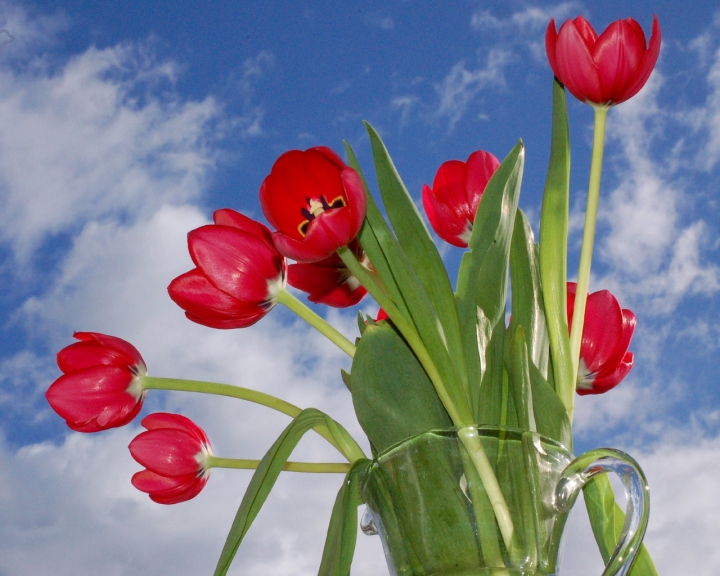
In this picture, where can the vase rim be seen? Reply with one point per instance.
(486, 430)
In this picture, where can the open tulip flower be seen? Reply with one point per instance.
(329, 281)
(314, 201)
(175, 452)
(101, 383)
(604, 70)
(238, 276)
(453, 200)
(604, 356)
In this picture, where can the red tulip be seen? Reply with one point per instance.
(453, 200)
(175, 452)
(314, 201)
(329, 281)
(101, 383)
(238, 276)
(603, 70)
(608, 329)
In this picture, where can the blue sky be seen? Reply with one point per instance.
(123, 126)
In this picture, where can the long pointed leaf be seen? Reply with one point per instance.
(527, 302)
(264, 479)
(607, 520)
(418, 306)
(482, 280)
(342, 531)
(553, 248)
(416, 242)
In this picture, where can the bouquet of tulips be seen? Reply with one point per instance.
(437, 355)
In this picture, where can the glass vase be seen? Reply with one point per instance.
(440, 514)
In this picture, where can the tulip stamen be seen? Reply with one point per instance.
(317, 207)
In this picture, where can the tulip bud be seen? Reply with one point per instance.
(608, 329)
(175, 452)
(452, 202)
(238, 276)
(604, 70)
(101, 384)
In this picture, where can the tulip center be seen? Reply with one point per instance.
(315, 207)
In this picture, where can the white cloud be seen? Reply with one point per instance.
(379, 20)
(90, 141)
(656, 257)
(524, 27)
(460, 87)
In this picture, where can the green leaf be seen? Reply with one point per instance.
(518, 368)
(346, 378)
(551, 418)
(369, 239)
(527, 301)
(482, 280)
(265, 476)
(553, 248)
(607, 520)
(417, 244)
(392, 395)
(342, 531)
(404, 287)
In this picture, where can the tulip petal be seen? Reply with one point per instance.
(602, 333)
(479, 168)
(228, 217)
(357, 202)
(443, 219)
(83, 395)
(116, 345)
(587, 32)
(90, 353)
(167, 420)
(577, 70)
(238, 263)
(168, 490)
(168, 452)
(604, 382)
(648, 62)
(194, 293)
(551, 45)
(618, 54)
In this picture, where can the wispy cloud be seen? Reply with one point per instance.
(462, 85)
(656, 255)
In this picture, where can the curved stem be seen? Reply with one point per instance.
(459, 416)
(312, 467)
(317, 322)
(151, 382)
(578, 319)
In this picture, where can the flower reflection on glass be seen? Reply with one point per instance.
(314, 201)
(604, 70)
(453, 200)
(604, 356)
(175, 452)
(101, 383)
(239, 273)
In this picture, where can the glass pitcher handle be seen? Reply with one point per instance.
(600, 461)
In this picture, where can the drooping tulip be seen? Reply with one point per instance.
(329, 281)
(604, 356)
(175, 452)
(101, 383)
(453, 200)
(238, 276)
(604, 70)
(314, 201)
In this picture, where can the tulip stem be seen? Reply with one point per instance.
(583, 281)
(312, 467)
(317, 322)
(150, 383)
